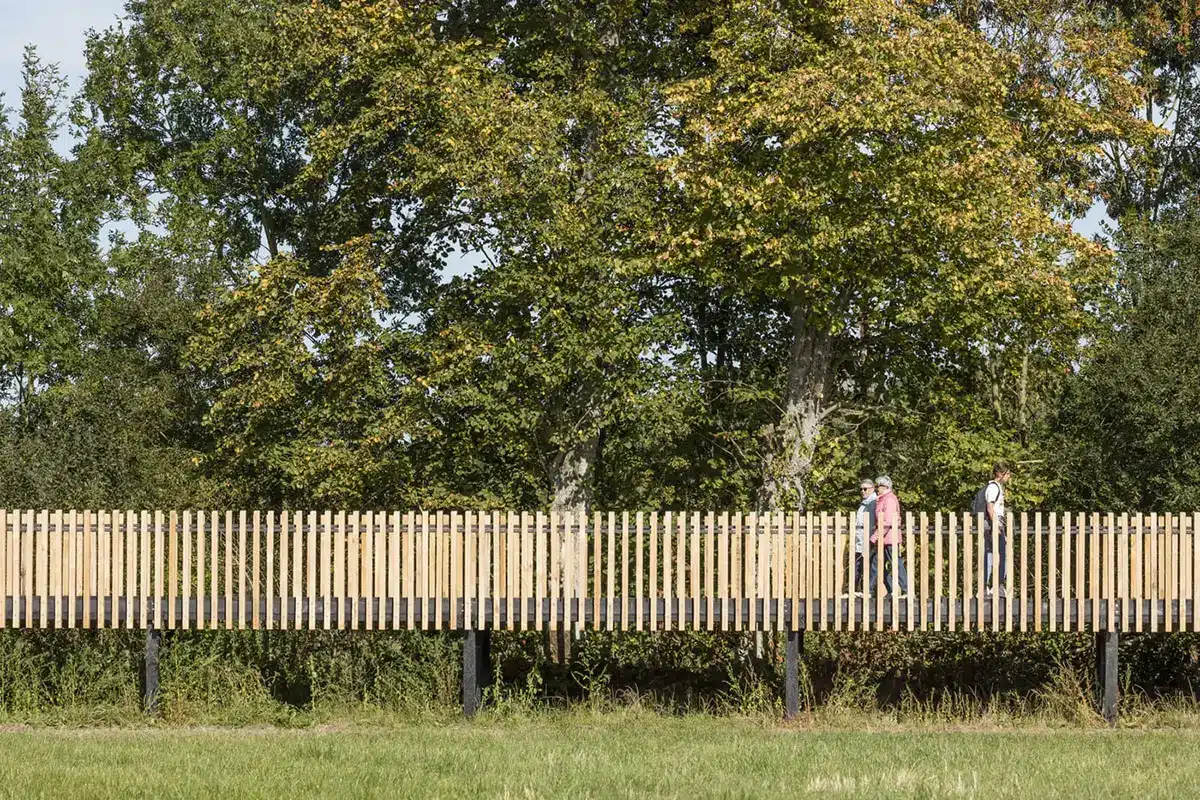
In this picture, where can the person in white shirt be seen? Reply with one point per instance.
(994, 517)
(864, 528)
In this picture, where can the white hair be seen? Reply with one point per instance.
(883, 480)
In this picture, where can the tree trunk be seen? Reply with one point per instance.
(574, 469)
(791, 443)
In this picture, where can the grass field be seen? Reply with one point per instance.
(596, 756)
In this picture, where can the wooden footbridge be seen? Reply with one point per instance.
(478, 571)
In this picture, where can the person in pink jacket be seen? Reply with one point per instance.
(887, 525)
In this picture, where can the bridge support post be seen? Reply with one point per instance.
(1107, 674)
(150, 666)
(477, 669)
(791, 692)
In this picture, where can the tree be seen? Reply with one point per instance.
(873, 174)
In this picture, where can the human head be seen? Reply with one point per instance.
(884, 484)
(1001, 472)
(866, 486)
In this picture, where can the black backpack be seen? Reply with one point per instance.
(979, 504)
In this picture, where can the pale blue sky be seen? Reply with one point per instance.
(58, 28)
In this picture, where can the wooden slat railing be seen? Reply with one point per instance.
(619, 571)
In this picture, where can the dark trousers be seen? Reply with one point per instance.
(893, 565)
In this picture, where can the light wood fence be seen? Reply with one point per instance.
(614, 571)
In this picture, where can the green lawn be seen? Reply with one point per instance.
(583, 756)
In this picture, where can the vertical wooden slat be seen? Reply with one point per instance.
(1135, 572)
(723, 570)
(241, 571)
(1051, 578)
(555, 579)
(625, 565)
(282, 575)
(379, 542)
(839, 561)
(228, 536)
(1037, 572)
(1110, 576)
(809, 573)
(1123, 586)
(103, 569)
(952, 535)
(878, 586)
(1170, 559)
(145, 571)
(1068, 543)
(1195, 571)
(695, 582)
(527, 570)
(201, 548)
(794, 558)
(5, 570)
(612, 569)
(160, 562)
(1009, 596)
(937, 571)
(454, 575)
(667, 565)
(924, 543)
(341, 537)
(53, 581)
(319, 567)
(735, 609)
(1094, 569)
(365, 555)
(29, 547)
(71, 568)
(408, 559)
(507, 561)
(910, 565)
(484, 566)
(540, 577)
(568, 570)
(304, 543)
(997, 584)
(779, 568)
(637, 571)
(91, 574)
(749, 547)
(972, 619)
(1024, 570)
(1152, 564)
(681, 571)
(393, 533)
(897, 589)
(131, 566)
(173, 569)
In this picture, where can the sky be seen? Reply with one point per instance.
(59, 28)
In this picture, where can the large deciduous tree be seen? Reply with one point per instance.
(889, 182)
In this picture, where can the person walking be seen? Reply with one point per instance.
(864, 528)
(887, 526)
(989, 501)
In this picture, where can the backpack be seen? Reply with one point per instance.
(979, 504)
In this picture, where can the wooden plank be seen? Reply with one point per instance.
(639, 559)
(779, 570)
(540, 570)
(924, 543)
(625, 564)
(103, 568)
(1008, 578)
(408, 566)
(878, 587)
(527, 570)
(735, 571)
(611, 567)
(228, 535)
(839, 563)
(1135, 573)
(91, 570)
(1052, 577)
(749, 542)
(794, 555)
(201, 548)
(681, 569)
(131, 565)
(320, 535)
(554, 583)
(897, 589)
(172, 571)
(808, 576)
(304, 545)
(568, 570)
(144, 569)
(723, 571)
(6, 554)
(997, 585)
(71, 568)
(393, 526)
(1110, 577)
(277, 586)
(1094, 569)
(667, 563)
(368, 570)
(1123, 593)
(29, 563)
(52, 583)
(1196, 571)
(694, 566)
(458, 567)
(1155, 592)
(952, 584)
(937, 571)
(469, 591)
(379, 526)
(909, 564)
(1023, 567)
(340, 534)
(1171, 560)
(970, 597)
(239, 591)
(1067, 595)
(160, 562)
(1037, 571)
